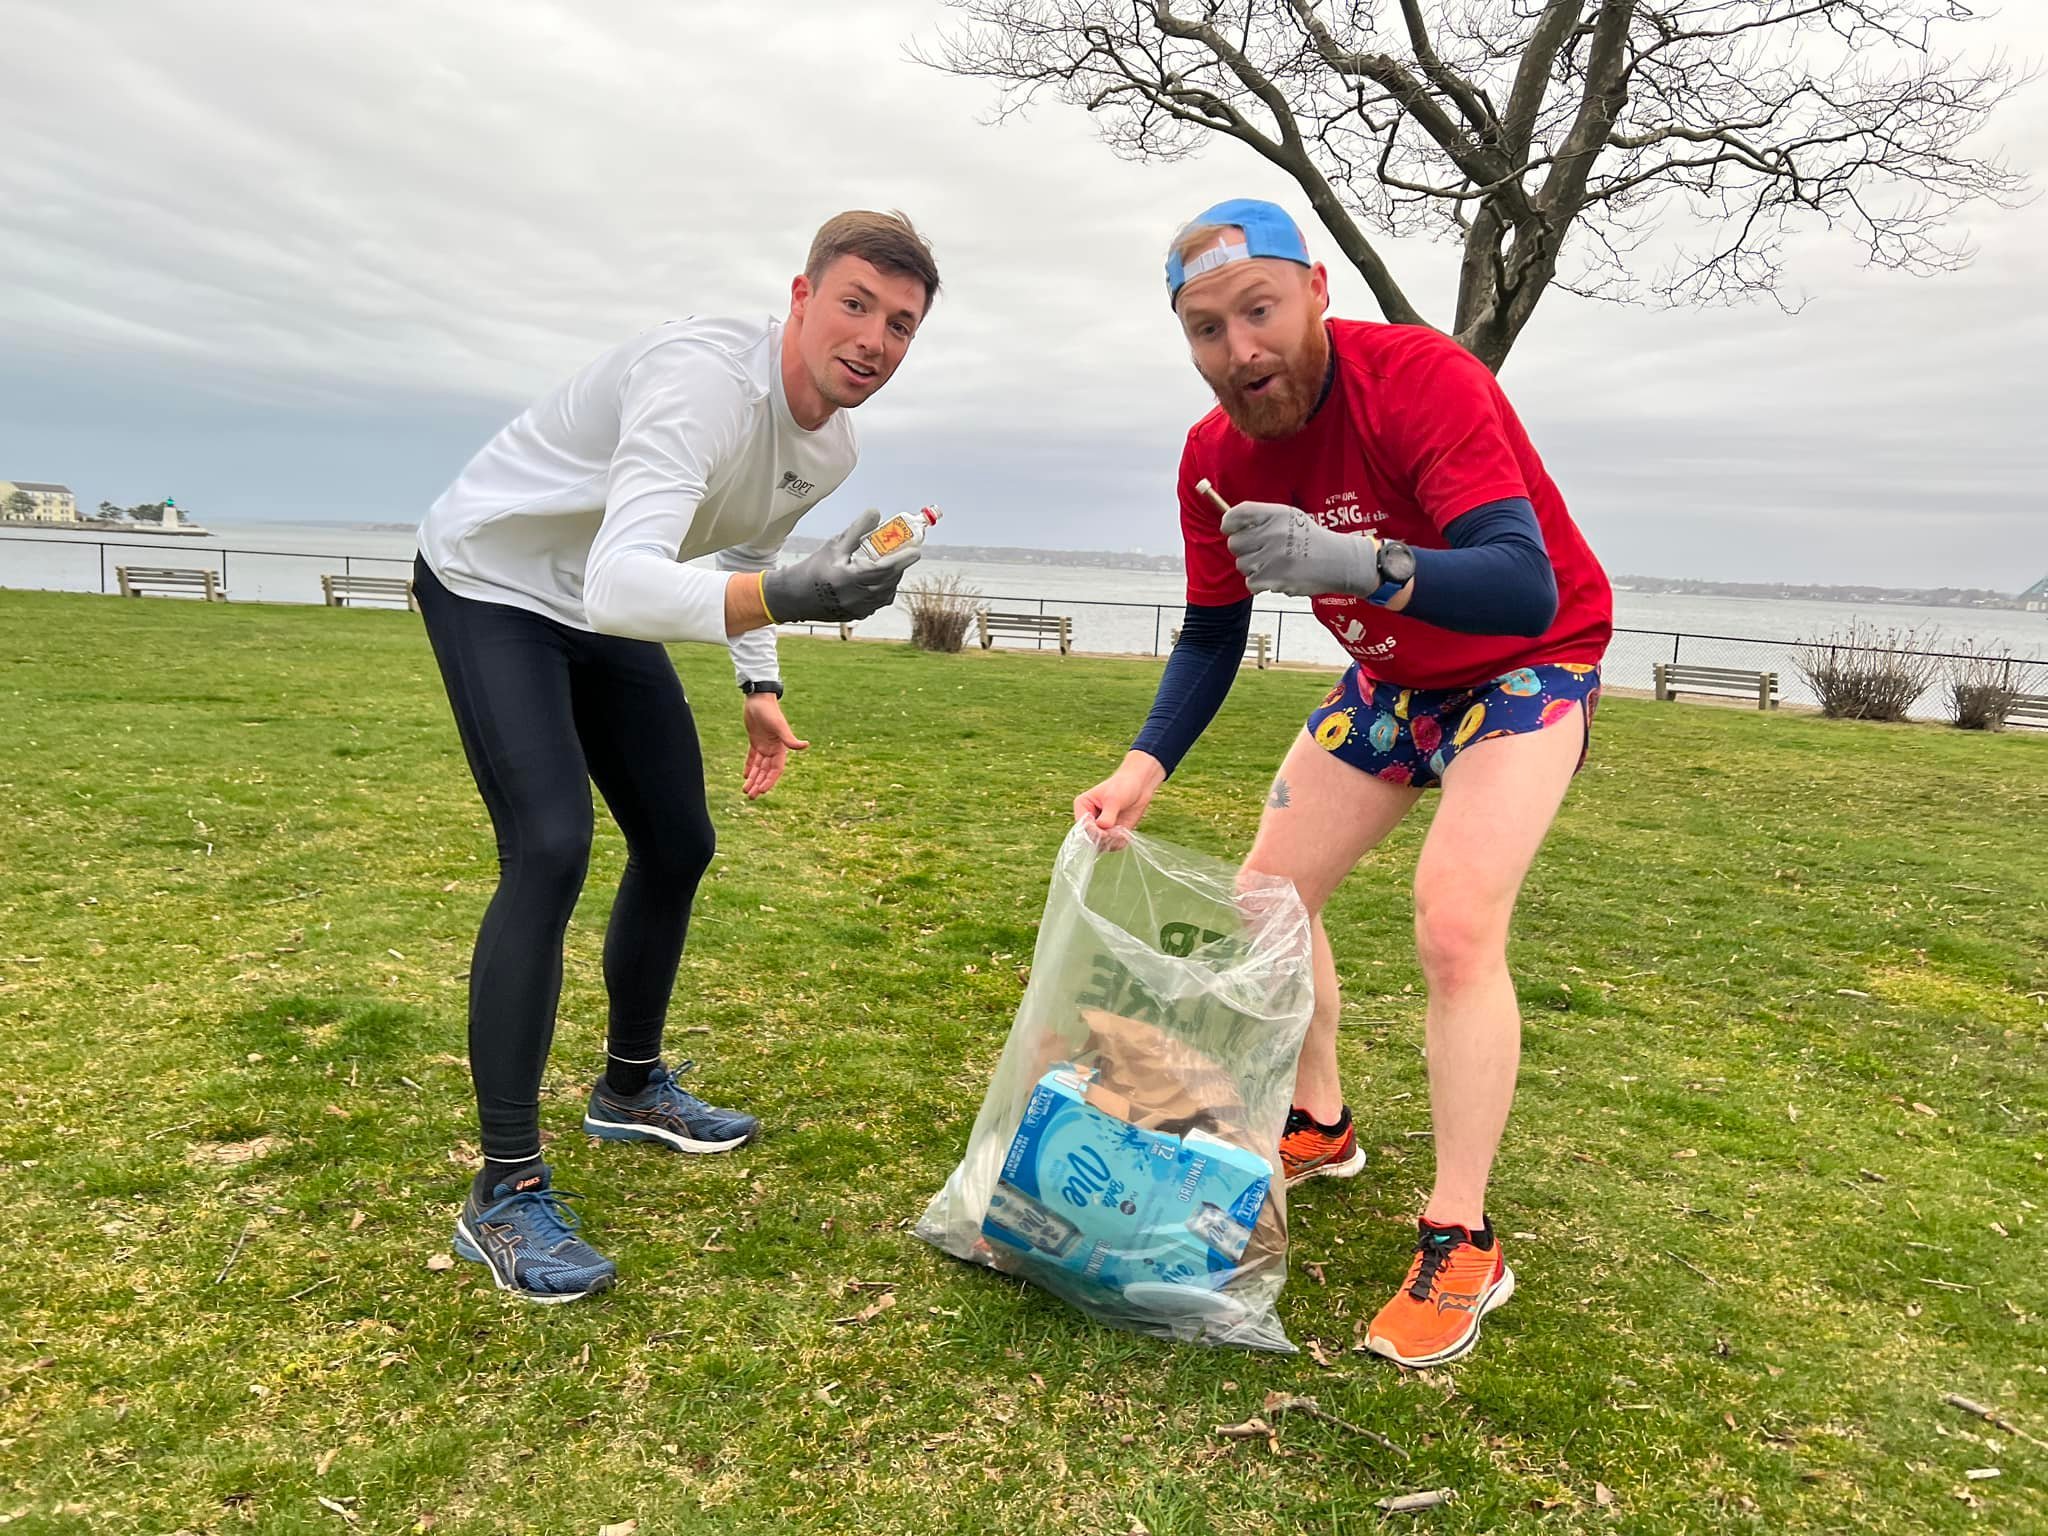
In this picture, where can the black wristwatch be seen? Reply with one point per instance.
(1397, 569)
(762, 685)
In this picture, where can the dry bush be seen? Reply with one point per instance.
(942, 610)
(1982, 687)
(1863, 673)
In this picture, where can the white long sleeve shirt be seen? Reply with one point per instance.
(675, 445)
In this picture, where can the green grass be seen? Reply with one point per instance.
(242, 868)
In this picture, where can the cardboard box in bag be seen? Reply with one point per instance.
(1137, 1075)
(1089, 1190)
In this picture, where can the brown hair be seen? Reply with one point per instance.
(887, 241)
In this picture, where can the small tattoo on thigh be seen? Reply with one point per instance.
(1278, 799)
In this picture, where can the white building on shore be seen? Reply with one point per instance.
(47, 503)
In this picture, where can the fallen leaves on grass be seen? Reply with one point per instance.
(1415, 1503)
(232, 1154)
(869, 1313)
(1279, 1404)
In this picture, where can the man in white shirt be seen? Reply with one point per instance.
(549, 575)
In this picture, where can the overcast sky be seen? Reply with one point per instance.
(286, 260)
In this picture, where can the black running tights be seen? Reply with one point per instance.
(544, 710)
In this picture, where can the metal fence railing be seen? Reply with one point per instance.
(1633, 655)
(247, 575)
(1104, 625)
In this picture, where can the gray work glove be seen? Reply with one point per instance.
(1283, 549)
(837, 582)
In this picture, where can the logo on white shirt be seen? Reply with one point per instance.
(795, 484)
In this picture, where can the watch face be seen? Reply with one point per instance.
(1397, 561)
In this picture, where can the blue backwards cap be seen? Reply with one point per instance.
(1268, 231)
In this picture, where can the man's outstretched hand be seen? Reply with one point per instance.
(769, 743)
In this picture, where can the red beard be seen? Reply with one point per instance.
(1284, 406)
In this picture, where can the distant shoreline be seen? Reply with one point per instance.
(1964, 598)
(84, 526)
(1813, 592)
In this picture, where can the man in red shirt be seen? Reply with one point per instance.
(1380, 471)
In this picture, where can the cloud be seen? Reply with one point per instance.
(294, 261)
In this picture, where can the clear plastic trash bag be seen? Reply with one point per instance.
(1126, 1157)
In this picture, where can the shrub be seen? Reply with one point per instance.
(1981, 689)
(1862, 673)
(942, 609)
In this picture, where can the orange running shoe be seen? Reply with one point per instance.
(1451, 1286)
(1309, 1149)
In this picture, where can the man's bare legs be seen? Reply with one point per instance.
(1499, 799)
(1322, 816)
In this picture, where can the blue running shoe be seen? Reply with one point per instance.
(526, 1234)
(663, 1112)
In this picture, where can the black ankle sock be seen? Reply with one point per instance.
(627, 1077)
(495, 1173)
(1481, 1236)
(1336, 1126)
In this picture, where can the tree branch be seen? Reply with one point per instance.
(1461, 91)
(1477, 161)
(1627, 128)
(1606, 91)
(1532, 75)
(1291, 155)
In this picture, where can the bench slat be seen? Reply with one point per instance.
(1674, 678)
(2028, 709)
(990, 623)
(339, 591)
(137, 580)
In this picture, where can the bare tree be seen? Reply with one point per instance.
(1552, 138)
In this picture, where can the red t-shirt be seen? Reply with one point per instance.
(1415, 433)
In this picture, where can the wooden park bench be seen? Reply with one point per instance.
(340, 591)
(2028, 709)
(1037, 626)
(138, 580)
(1258, 646)
(1674, 678)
